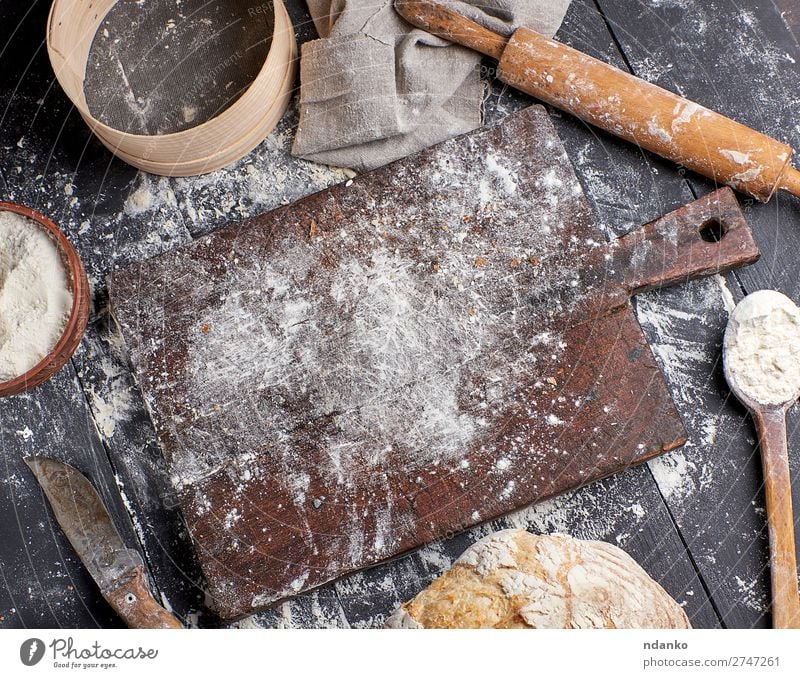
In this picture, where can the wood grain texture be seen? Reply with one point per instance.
(771, 425)
(737, 59)
(603, 510)
(626, 509)
(711, 486)
(579, 303)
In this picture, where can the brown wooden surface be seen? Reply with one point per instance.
(256, 542)
(700, 532)
(771, 425)
(134, 602)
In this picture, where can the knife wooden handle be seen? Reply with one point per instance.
(622, 104)
(133, 602)
(771, 425)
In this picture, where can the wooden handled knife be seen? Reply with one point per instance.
(117, 569)
(620, 103)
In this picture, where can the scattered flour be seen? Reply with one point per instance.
(657, 131)
(727, 296)
(674, 474)
(504, 175)
(762, 348)
(750, 596)
(684, 111)
(683, 325)
(35, 296)
(108, 411)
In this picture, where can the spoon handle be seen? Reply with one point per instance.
(771, 424)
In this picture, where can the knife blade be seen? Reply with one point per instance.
(117, 569)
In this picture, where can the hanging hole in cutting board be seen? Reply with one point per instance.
(169, 66)
(713, 230)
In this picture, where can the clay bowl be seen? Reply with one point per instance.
(78, 318)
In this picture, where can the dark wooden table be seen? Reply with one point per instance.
(693, 518)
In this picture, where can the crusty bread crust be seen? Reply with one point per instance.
(515, 579)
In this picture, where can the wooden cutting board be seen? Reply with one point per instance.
(426, 347)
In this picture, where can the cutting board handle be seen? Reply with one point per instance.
(705, 237)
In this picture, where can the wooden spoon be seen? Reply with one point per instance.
(762, 365)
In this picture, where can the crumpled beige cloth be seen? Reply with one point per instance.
(374, 89)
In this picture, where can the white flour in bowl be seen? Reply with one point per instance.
(762, 347)
(35, 296)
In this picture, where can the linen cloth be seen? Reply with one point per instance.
(373, 88)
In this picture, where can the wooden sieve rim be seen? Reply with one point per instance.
(224, 154)
(269, 89)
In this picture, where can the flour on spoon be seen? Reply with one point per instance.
(762, 347)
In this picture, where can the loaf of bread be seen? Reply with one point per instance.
(515, 579)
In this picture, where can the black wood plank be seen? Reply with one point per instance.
(22, 47)
(318, 609)
(742, 62)
(112, 215)
(43, 584)
(120, 216)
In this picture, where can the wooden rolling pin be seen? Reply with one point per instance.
(622, 104)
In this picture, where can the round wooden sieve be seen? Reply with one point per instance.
(209, 145)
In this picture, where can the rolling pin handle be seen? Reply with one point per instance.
(790, 181)
(450, 25)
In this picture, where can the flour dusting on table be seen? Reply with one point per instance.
(333, 369)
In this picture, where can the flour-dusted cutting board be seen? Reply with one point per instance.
(424, 348)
